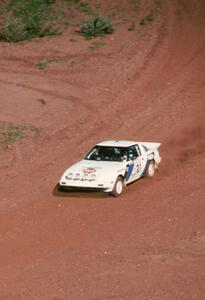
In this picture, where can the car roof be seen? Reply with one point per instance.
(117, 143)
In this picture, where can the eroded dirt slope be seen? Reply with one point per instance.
(146, 84)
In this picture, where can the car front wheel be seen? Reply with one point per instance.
(118, 187)
(150, 169)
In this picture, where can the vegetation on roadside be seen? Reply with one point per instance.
(132, 26)
(95, 46)
(147, 19)
(80, 5)
(10, 132)
(97, 26)
(27, 19)
(44, 63)
(22, 20)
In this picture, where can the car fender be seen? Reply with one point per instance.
(118, 173)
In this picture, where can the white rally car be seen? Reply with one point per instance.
(110, 165)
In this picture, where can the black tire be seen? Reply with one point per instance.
(118, 187)
(59, 188)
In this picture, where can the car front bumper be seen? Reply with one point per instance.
(88, 186)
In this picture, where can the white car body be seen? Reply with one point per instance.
(100, 172)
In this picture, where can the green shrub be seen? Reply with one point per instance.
(80, 5)
(97, 26)
(27, 19)
(73, 2)
(147, 19)
(49, 2)
(85, 7)
(13, 30)
(44, 63)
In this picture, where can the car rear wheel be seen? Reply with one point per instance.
(118, 187)
(150, 169)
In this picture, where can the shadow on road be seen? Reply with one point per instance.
(78, 193)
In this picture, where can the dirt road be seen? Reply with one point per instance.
(147, 84)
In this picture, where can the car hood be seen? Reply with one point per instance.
(98, 167)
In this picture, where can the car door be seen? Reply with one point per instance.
(142, 160)
(136, 165)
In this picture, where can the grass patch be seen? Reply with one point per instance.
(73, 2)
(80, 5)
(42, 65)
(147, 19)
(13, 30)
(85, 7)
(9, 132)
(132, 26)
(27, 19)
(96, 45)
(94, 27)
(66, 24)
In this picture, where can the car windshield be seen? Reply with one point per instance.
(106, 153)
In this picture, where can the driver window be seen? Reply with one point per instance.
(132, 153)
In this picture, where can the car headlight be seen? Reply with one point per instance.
(69, 176)
(92, 177)
(85, 177)
(77, 176)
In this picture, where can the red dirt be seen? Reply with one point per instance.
(146, 84)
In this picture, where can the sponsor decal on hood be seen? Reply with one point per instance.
(89, 170)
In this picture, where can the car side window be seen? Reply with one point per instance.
(132, 153)
(138, 150)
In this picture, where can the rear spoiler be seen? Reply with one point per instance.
(151, 145)
(152, 151)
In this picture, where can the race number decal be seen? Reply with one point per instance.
(137, 168)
